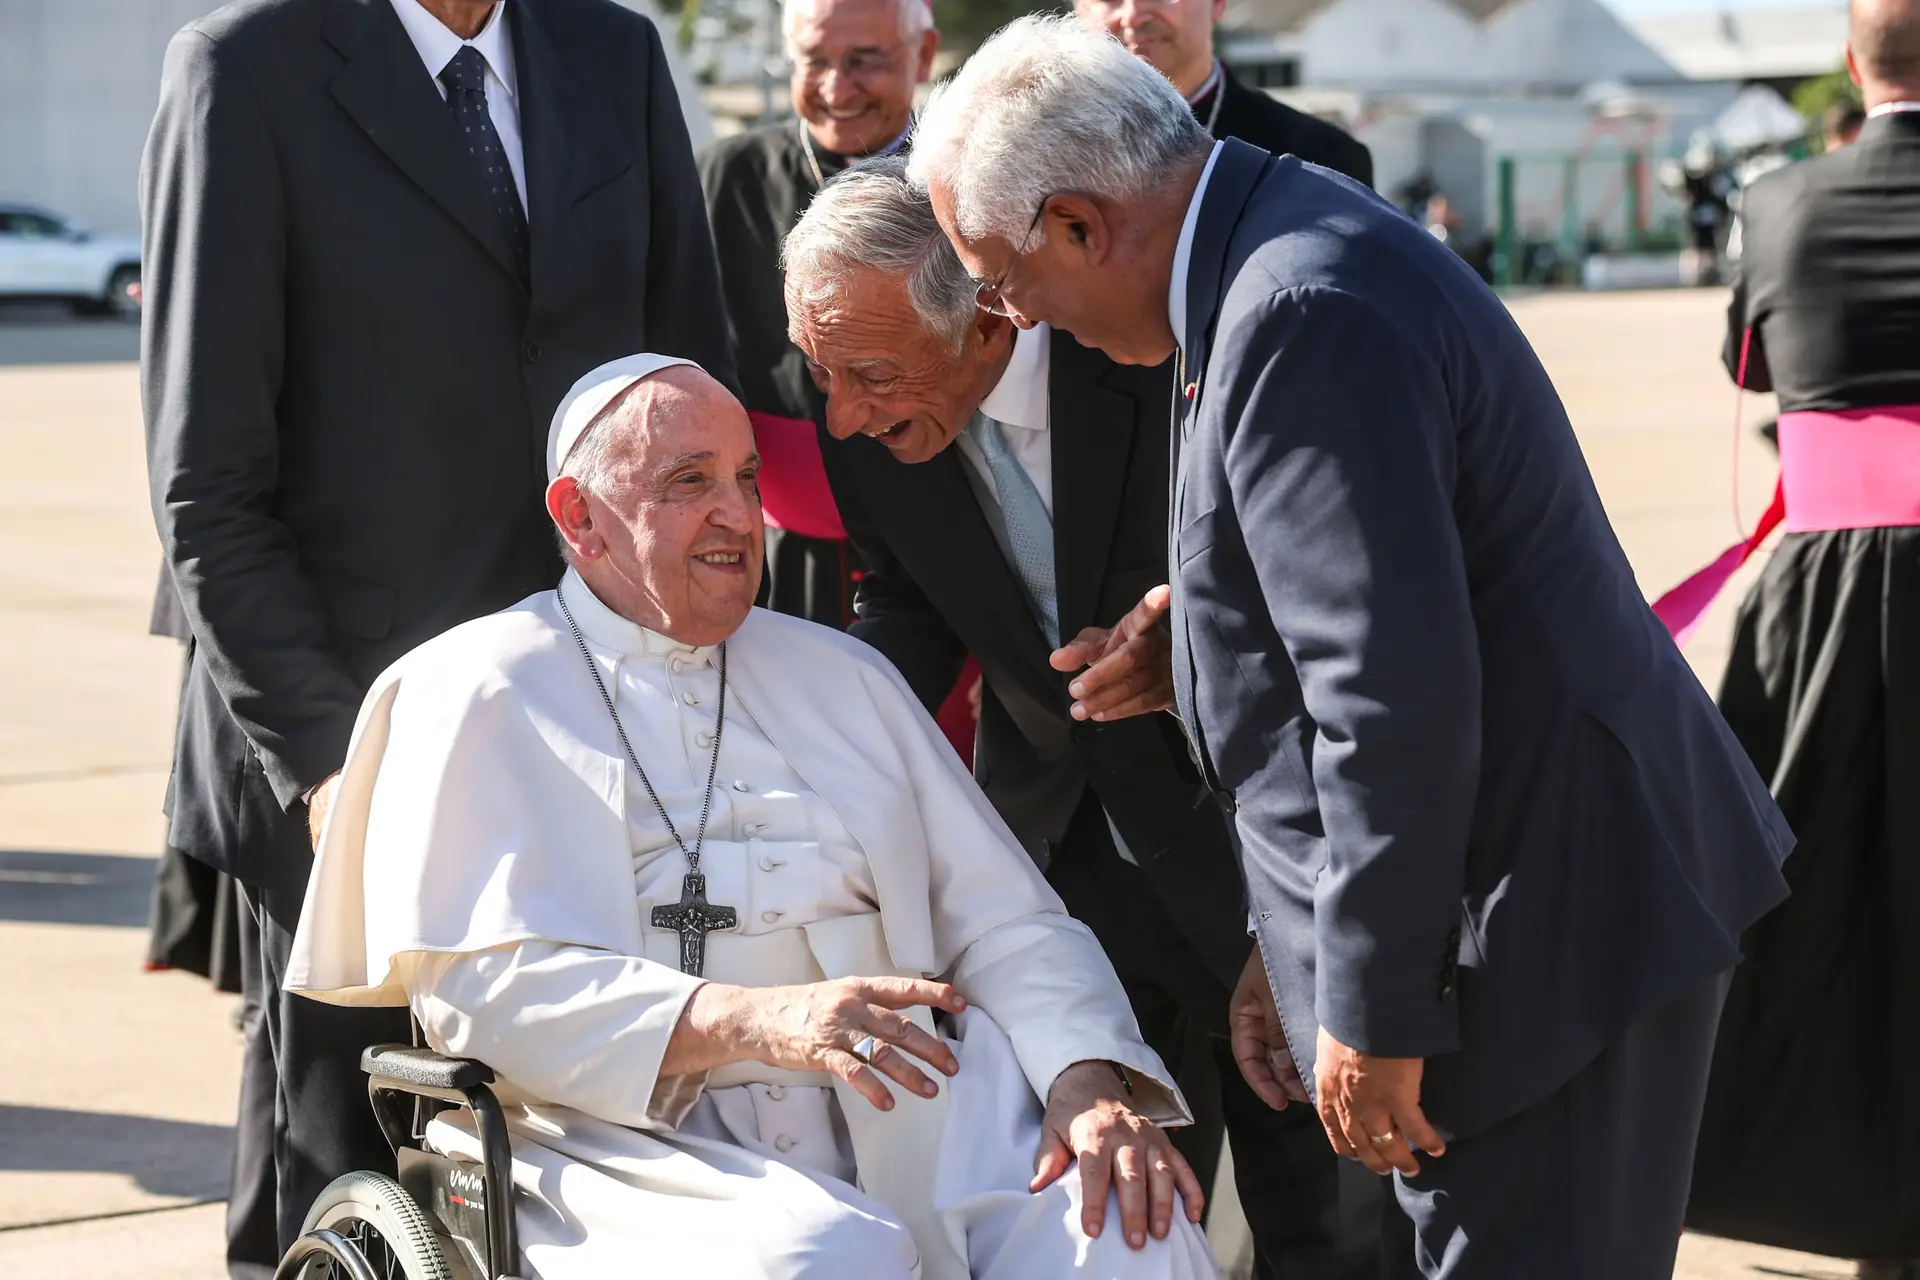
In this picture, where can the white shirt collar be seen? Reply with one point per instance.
(606, 629)
(1183, 253)
(437, 45)
(1893, 108)
(1020, 398)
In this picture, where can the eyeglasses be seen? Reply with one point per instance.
(987, 295)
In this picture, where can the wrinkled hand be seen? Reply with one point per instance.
(815, 1027)
(1129, 668)
(1362, 1097)
(1259, 1043)
(1089, 1119)
(319, 804)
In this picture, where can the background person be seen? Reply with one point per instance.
(1823, 689)
(382, 237)
(856, 64)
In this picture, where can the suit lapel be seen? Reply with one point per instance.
(933, 523)
(386, 89)
(569, 150)
(1093, 437)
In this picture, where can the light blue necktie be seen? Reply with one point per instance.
(1029, 527)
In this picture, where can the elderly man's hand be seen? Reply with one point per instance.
(817, 1027)
(1371, 1107)
(319, 804)
(1129, 669)
(1090, 1119)
(1258, 1040)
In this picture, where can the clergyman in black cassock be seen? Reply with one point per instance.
(349, 365)
(1811, 1138)
(855, 66)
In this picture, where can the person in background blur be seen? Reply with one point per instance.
(1811, 1138)
(1841, 124)
(1175, 37)
(856, 64)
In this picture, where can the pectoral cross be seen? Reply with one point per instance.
(693, 918)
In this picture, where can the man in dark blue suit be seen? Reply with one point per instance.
(1499, 845)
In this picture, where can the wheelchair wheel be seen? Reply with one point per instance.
(365, 1226)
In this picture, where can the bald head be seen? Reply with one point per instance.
(659, 507)
(1883, 49)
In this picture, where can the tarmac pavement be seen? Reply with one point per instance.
(117, 1087)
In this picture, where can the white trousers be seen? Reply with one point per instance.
(723, 1197)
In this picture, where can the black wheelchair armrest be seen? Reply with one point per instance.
(410, 1070)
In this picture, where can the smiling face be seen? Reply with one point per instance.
(666, 528)
(885, 375)
(1175, 37)
(853, 73)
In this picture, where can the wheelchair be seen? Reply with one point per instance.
(442, 1219)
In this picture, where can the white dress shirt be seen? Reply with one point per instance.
(1893, 109)
(1183, 254)
(1019, 402)
(437, 45)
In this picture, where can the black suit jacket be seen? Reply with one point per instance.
(938, 588)
(1829, 275)
(1272, 125)
(348, 387)
(1487, 815)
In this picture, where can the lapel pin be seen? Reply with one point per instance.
(1193, 388)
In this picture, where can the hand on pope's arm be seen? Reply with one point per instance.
(1090, 1120)
(1129, 668)
(814, 1027)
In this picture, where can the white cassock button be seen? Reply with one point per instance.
(768, 864)
(740, 784)
(777, 1092)
(689, 699)
(703, 739)
(784, 1144)
(771, 916)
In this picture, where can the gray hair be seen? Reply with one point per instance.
(870, 217)
(1048, 105)
(590, 464)
(916, 17)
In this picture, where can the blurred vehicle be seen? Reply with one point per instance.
(43, 256)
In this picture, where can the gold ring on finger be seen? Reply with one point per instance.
(1383, 1139)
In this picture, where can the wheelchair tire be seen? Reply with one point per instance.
(384, 1223)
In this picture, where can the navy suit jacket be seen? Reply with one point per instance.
(1486, 814)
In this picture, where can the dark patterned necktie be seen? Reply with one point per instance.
(466, 81)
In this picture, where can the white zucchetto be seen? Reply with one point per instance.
(586, 399)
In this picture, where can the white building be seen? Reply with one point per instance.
(1568, 90)
(79, 80)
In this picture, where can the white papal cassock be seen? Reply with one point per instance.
(492, 860)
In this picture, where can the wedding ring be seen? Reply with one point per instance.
(865, 1048)
(1383, 1139)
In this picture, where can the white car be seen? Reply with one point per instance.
(44, 256)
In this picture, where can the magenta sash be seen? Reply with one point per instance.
(1851, 469)
(793, 480)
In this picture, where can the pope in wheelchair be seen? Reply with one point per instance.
(761, 984)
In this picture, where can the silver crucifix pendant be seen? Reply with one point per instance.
(693, 918)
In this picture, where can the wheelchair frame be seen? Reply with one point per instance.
(407, 1086)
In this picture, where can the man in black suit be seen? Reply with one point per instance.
(1823, 689)
(1175, 38)
(382, 239)
(1008, 490)
(1498, 842)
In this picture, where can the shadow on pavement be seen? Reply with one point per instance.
(48, 333)
(75, 888)
(164, 1157)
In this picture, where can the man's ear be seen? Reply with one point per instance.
(992, 329)
(1082, 225)
(567, 505)
(1853, 67)
(929, 47)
